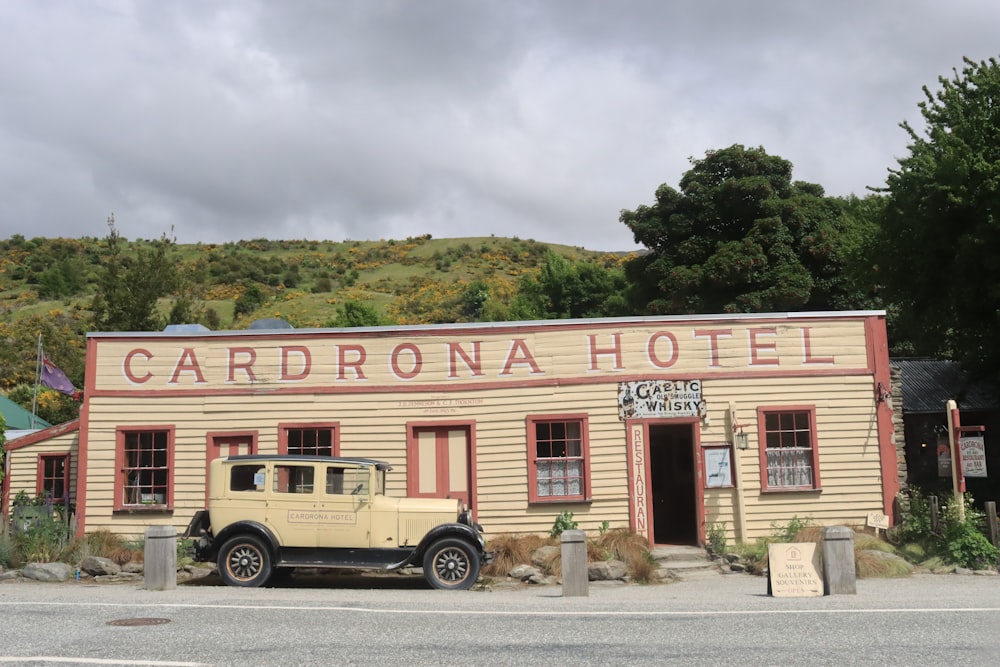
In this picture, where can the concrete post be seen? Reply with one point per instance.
(575, 575)
(160, 555)
(839, 574)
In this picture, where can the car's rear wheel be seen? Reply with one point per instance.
(245, 561)
(451, 563)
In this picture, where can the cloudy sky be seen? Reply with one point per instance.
(368, 119)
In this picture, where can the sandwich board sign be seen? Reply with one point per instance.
(793, 570)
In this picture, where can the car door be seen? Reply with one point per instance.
(292, 504)
(344, 506)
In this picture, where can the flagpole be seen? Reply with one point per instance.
(38, 375)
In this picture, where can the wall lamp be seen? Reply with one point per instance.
(742, 439)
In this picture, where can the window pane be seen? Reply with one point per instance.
(789, 453)
(559, 465)
(146, 472)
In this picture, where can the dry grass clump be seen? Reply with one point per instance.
(621, 544)
(511, 549)
(874, 564)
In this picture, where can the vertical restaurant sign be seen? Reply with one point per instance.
(973, 456)
(660, 398)
(638, 465)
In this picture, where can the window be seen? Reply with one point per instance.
(346, 481)
(246, 478)
(789, 457)
(144, 461)
(558, 465)
(53, 477)
(308, 440)
(293, 479)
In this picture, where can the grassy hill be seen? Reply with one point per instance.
(410, 281)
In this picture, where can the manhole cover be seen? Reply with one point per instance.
(139, 621)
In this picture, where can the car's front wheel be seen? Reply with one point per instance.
(451, 563)
(245, 561)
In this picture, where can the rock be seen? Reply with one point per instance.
(10, 574)
(132, 567)
(737, 567)
(962, 570)
(96, 566)
(48, 571)
(541, 579)
(607, 570)
(198, 572)
(986, 573)
(524, 572)
(542, 557)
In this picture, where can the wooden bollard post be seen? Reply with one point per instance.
(160, 555)
(839, 572)
(991, 521)
(575, 574)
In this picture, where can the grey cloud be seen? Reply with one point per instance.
(391, 118)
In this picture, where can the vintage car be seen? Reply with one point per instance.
(268, 514)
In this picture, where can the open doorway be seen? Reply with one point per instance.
(672, 487)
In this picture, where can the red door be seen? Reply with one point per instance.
(228, 444)
(439, 459)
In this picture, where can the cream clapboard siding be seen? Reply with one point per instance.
(24, 463)
(849, 456)
(823, 362)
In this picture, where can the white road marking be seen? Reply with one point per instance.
(470, 612)
(98, 661)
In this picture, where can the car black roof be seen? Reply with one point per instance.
(307, 458)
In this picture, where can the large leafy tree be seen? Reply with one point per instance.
(940, 236)
(130, 284)
(567, 289)
(739, 236)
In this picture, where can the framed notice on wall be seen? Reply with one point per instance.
(718, 465)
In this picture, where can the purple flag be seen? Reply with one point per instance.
(53, 377)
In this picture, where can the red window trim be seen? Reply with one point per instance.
(530, 423)
(40, 473)
(762, 411)
(284, 427)
(120, 433)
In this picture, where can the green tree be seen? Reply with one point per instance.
(940, 233)
(568, 289)
(129, 285)
(739, 236)
(357, 314)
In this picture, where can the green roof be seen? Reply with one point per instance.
(18, 418)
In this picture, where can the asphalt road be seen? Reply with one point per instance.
(727, 620)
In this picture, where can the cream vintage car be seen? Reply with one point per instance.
(268, 514)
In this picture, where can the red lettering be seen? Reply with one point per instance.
(615, 349)
(757, 346)
(245, 366)
(127, 366)
(651, 349)
(286, 375)
(713, 336)
(473, 363)
(343, 363)
(187, 363)
(517, 355)
(807, 357)
(418, 361)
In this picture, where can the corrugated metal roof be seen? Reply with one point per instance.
(19, 418)
(928, 384)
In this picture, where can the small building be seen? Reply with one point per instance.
(926, 385)
(666, 425)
